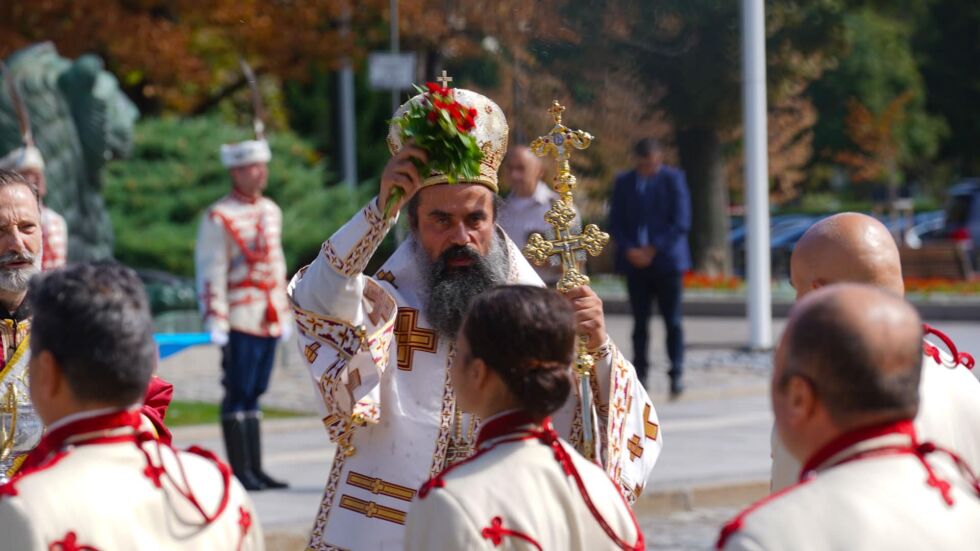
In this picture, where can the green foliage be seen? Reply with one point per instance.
(181, 414)
(948, 49)
(156, 198)
(879, 66)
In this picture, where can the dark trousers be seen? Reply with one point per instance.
(246, 364)
(643, 287)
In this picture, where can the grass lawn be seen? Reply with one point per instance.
(202, 413)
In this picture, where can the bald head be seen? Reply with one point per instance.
(859, 348)
(846, 248)
(524, 170)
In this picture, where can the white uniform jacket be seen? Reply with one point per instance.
(949, 412)
(524, 488)
(98, 483)
(874, 489)
(54, 234)
(241, 270)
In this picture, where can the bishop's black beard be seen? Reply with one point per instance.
(450, 289)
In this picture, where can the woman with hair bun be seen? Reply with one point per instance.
(524, 488)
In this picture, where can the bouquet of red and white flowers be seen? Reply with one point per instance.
(443, 128)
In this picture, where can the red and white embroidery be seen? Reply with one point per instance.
(70, 543)
(959, 358)
(517, 427)
(496, 533)
(244, 523)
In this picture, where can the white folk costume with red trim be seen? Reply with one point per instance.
(54, 233)
(98, 482)
(382, 372)
(241, 270)
(949, 410)
(877, 488)
(524, 488)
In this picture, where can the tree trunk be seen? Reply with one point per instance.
(700, 157)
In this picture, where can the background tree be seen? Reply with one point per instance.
(685, 54)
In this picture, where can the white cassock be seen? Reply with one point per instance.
(949, 415)
(515, 494)
(54, 235)
(383, 374)
(866, 491)
(241, 270)
(97, 485)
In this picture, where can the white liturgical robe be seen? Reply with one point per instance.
(874, 489)
(97, 482)
(949, 415)
(383, 375)
(524, 488)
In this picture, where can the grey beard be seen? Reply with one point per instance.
(16, 280)
(448, 291)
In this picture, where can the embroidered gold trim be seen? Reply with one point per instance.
(320, 525)
(378, 486)
(371, 509)
(411, 338)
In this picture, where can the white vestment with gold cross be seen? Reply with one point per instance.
(383, 374)
(14, 357)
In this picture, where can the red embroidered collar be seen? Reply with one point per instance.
(83, 430)
(513, 422)
(911, 447)
(853, 437)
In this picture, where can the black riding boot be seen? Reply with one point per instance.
(238, 454)
(254, 439)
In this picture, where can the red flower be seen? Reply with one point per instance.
(435, 89)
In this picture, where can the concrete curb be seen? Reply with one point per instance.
(724, 494)
(735, 308)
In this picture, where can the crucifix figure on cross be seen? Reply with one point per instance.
(567, 244)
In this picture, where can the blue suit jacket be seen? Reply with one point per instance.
(665, 208)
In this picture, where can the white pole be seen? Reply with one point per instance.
(756, 174)
(393, 30)
(348, 138)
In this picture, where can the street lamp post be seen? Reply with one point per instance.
(759, 283)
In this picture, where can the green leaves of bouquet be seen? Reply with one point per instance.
(443, 128)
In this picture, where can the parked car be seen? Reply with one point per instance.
(963, 217)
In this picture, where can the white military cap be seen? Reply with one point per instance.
(23, 158)
(245, 153)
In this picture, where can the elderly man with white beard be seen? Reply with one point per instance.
(21, 249)
(20, 259)
(379, 348)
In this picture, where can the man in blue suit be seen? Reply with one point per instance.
(649, 219)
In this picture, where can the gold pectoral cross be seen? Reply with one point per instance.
(559, 144)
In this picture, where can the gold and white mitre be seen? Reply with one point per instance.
(23, 158)
(491, 135)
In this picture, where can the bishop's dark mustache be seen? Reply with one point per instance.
(458, 252)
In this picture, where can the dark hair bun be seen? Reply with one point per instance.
(545, 388)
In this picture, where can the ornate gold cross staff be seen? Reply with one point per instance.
(558, 144)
